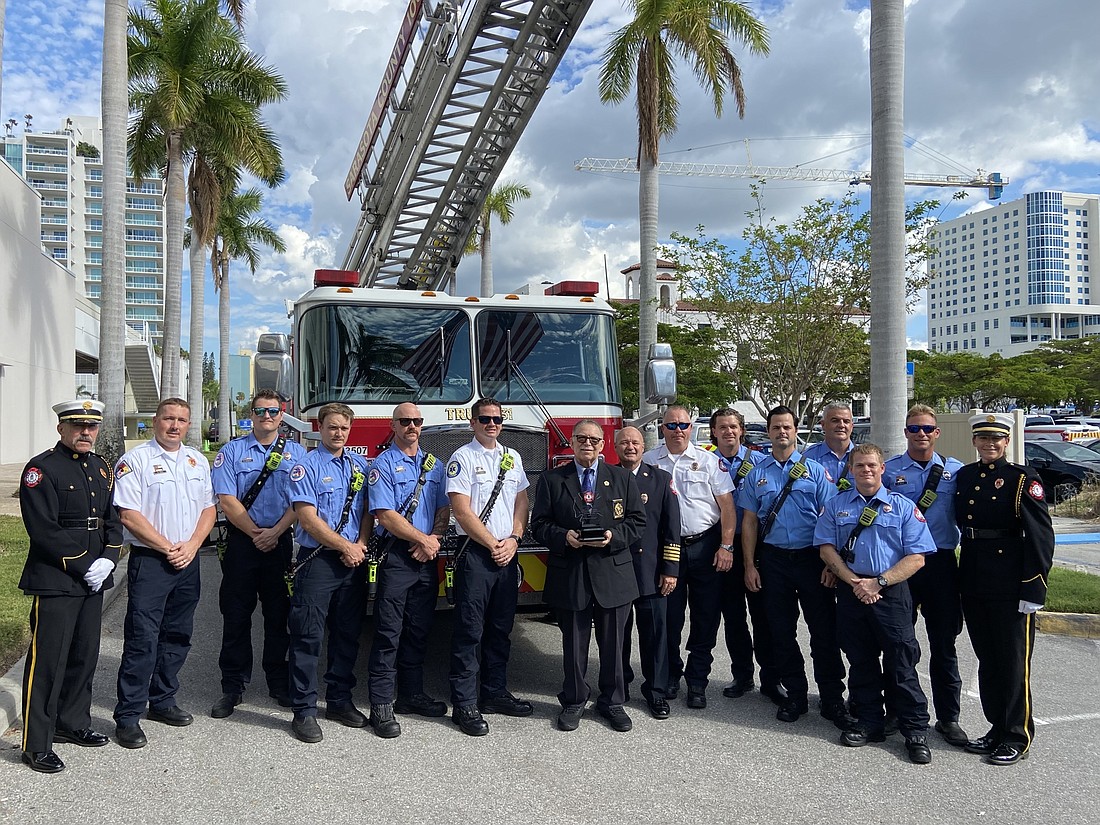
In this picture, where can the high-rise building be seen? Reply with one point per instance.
(1007, 278)
(66, 168)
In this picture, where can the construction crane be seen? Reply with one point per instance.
(460, 86)
(994, 182)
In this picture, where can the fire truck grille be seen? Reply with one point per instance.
(532, 447)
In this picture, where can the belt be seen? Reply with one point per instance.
(792, 551)
(90, 523)
(977, 533)
(694, 537)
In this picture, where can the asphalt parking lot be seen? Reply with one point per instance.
(730, 762)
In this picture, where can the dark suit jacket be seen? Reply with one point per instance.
(656, 553)
(558, 508)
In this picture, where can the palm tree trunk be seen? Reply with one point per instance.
(648, 191)
(173, 268)
(486, 261)
(197, 342)
(888, 396)
(112, 315)
(224, 418)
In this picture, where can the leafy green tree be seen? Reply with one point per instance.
(968, 380)
(87, 150)
(1077, 362)
(499, 205)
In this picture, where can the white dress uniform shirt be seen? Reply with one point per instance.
(697, 479)
(473, 472)
(171, 489)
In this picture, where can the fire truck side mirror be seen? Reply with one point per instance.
(660, 375)
(272, 366)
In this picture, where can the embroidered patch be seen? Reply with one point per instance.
(918, 515)
(32, 477)
(373, 477)
(886, 508)
(219, 460)
(123, 469)
(619, 509)
(298, 473)
(900, 480)
(191, 460)
(1035, 490)
(453, 469)
(723, 465)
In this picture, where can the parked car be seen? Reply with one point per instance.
(861, 433)
(808, 437)
(1090, 444)
(700, 433)
(1063, 466)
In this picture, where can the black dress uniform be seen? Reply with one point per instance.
(1007, 552)
(66, 499)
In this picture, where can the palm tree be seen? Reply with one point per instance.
(193, 84)
(238, 234)
(696, 31)
(499, 203)
(112, 302)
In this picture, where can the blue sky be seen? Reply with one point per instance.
(994, 84)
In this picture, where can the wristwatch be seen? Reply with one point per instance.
(515, 537)
(728, 547)
(882, 582)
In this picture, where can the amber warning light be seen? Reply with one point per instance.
(335, 277)
(579, 288)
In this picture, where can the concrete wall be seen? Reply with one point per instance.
(37, 339)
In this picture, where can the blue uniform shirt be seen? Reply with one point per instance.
(835, 468)
(322, 479)
(899, 530)
(732, 465)
(392, 480)
(906, 476)
(794, 525)
(237, 466)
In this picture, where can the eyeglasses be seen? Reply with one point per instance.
(677, 425)
(587, 439)
(260, 412)
(494, 419)
(404, 422)
(927, 429)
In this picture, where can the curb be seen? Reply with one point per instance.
(1081, 625)
(11, 683)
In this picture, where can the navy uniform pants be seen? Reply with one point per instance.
(935, 591)
(325, 591)
(1003, 639)
(249, 574)
(403, 611)
(485, 610)
(160, 616)
(740, 642)
(791, 579)
(883, 629)
(699, 588)
(652, 645)
(576, 636)
(61, 661)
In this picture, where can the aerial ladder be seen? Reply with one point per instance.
(993, 182)
(460, 87)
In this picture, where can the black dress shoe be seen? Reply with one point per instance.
(506, 704)
(348, 715)
(85, 737)
(856, 738)
(1006, 754)
(470, 721)
(659, 709)
(617, 717)
(891, 724)
(306, 729)
(952, 733)
(44, 762)
(421, 704)
(382, 721)
(696, 698)
(837, 713)
(672, 691)
(777, 693)
(224, 706)
(917, 747)
(171, 715)
(983, 744)
(738, 688)
(131, 736)
(570, 717)
(790, 710)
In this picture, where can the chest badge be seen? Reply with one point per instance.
(695, 465)
(998, 484)
(645, 498)
(191, 461)
(886, 508)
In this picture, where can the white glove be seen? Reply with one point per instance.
(1029, 607)
(98, 572)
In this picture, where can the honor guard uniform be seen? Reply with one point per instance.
(873, 541)
(928, 479)
(1007, 552)
(251, 477)
(66, 498)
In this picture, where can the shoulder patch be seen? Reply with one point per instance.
(123, 469)
(453, 469)
(32, 477)
(918, 515)
(298, 473)
(372, 479)
(219, 459)
(1035, 490)
(723, 465)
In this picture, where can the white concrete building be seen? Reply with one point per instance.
(1007, 278)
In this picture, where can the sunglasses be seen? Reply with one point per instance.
(260, 412)
(404, 422)
(490, 419)
(677, 425)
(927, 429)
(587, 439)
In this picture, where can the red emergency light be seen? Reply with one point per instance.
(335, 277)
(574, 288)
